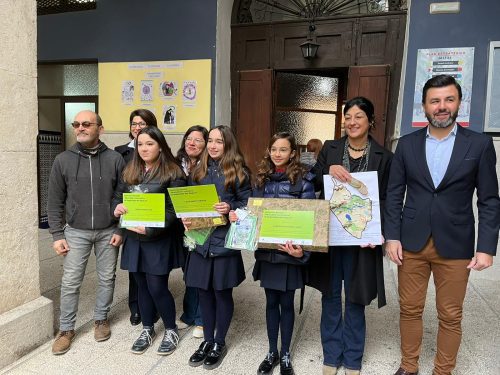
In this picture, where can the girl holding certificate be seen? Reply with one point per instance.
(212, 268)
(359, 271)
(282, 271)
(151, 253)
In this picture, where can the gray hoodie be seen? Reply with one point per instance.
(81, 187)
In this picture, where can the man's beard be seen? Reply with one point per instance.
(442, 124)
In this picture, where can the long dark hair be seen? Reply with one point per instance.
(165, 167)
(148, 117)
(232, 161)
(182, 154)
(294, 169)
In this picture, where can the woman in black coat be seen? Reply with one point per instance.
(138, 120)
(212, 268)
(151, 253)
(360, 269)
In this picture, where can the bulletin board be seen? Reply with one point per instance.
(177, 92)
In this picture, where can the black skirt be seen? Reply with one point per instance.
(157, 257)
(217, 273)
(279, 276)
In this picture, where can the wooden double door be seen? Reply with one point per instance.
(255, 118)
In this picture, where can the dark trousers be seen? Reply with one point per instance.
(133, 299)
(154, 295)
(342, 337)
(217, 309)
(191, 307)
(279, 313)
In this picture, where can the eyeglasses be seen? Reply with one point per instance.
(141, 125)
(279, 150)
(195, 140)
(85, 124)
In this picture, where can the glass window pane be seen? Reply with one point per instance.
(306, 125)
(307, 92)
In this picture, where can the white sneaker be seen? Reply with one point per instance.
(198, 332)
(181, 324)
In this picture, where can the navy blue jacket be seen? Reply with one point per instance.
(445, 211)
(236, 198)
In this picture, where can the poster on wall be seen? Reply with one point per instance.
(457, 62)
(177, 92)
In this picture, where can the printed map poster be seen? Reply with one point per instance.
(354, 210)
(456, 62)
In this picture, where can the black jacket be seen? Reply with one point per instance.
(81, 188)
(126, 152)
(367, 276)
(237, 198)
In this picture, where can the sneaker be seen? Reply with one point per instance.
(181, 325)
(102, 332)
(144, 341)
(329, 370)
(268, 364)
(286, 364)
(62, 343)
(198, 332)
(352, 372)
(169, 342)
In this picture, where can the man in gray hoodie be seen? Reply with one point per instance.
(81, 187)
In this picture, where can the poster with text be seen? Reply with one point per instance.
(457, 62)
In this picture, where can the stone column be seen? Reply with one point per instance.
(25, 316)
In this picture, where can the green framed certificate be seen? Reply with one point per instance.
(194, 201)
(279, 226)
(146, 210)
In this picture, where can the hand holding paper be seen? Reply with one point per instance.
(120, 210)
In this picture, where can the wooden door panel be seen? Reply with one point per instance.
(372, 82)
(254, 114)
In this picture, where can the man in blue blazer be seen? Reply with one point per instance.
(432, 228)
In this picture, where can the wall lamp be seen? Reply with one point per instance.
(310, 48)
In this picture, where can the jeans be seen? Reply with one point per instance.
(342, 338)
(80, 242)
(191, 307)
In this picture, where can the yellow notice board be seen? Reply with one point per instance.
(177, 92)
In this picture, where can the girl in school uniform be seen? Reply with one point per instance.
(212, 268)
(151, 253)
(282, 271)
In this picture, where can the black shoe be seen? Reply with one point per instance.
(135, 319)
(215, 356)
(144, 341)
(199, 356)
(268, 364)
(169, 342)
(286, 364)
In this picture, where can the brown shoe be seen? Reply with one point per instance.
(402, 371)
(62, 343)
(102, 332)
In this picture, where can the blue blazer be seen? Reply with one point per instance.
(445, 211)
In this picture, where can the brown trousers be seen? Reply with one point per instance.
(450, 280)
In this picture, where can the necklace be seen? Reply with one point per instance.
(357, 149)
(363, 160)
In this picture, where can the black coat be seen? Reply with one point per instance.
(159, 250)
(126, 152)
(274, 268)
(211, 265)
(367, 276)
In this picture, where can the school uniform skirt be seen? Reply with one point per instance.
(217, 273)
(156, 257)
(279, 276)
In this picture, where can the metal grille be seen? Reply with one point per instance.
(61, 6)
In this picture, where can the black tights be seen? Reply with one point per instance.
(217, 309)
(279, 309)
(154, 296)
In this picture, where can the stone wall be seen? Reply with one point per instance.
(25, 317)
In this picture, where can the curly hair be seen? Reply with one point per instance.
(294, 169)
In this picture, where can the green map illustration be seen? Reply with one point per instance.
(352, 211)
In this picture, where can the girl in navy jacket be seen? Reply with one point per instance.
(212, 268)
(281, 272)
